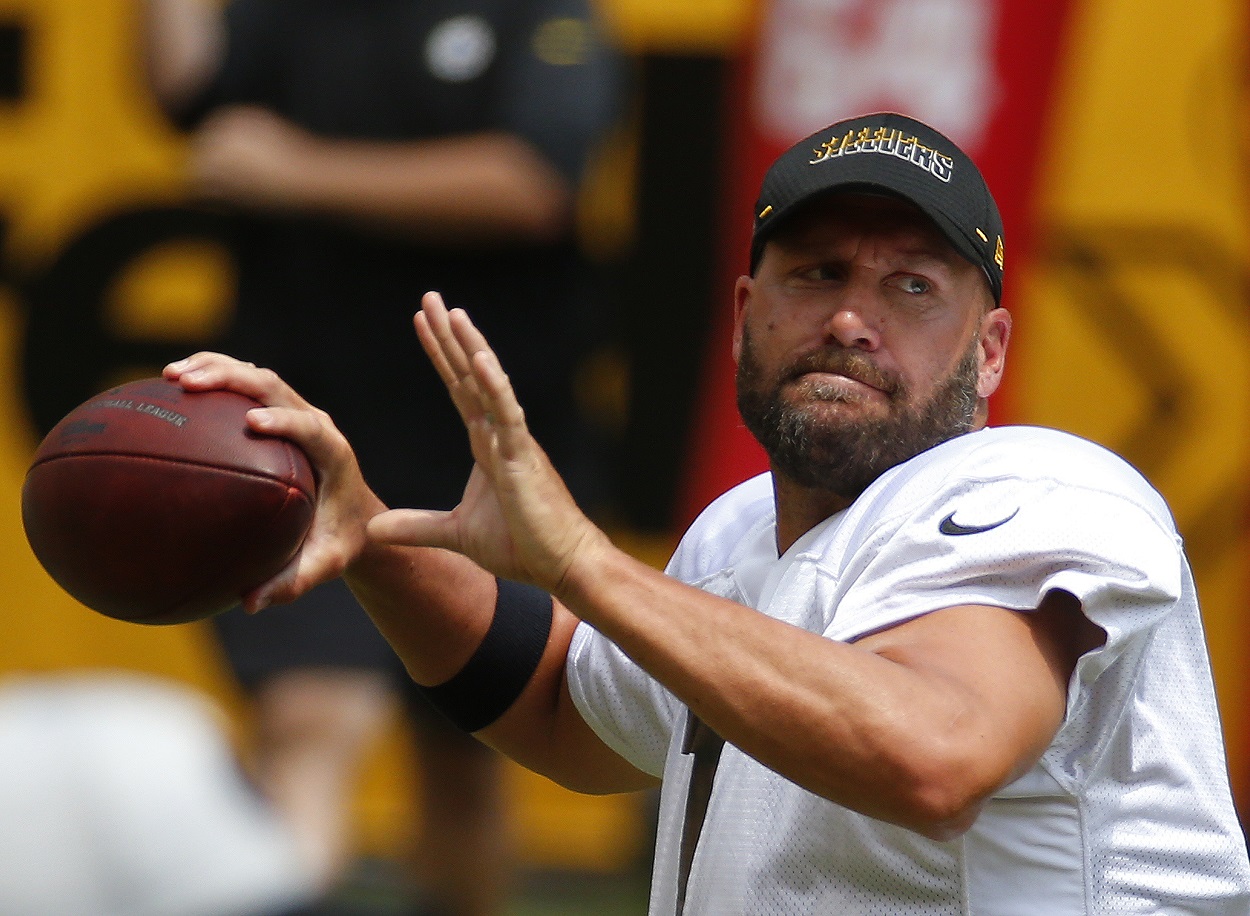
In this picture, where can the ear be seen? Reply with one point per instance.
(742, 298)
(995, 335)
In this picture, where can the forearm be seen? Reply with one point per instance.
(856, 728)
(904, 725)
(457, 190)
(435, 607)
(848, 724)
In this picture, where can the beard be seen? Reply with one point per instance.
(845, 455)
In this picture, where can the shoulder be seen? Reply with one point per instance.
(1013, 443)
(1055, 489)
(1026, 456)
(1001, 517)
(720, 532)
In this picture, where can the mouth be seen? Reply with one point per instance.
(841, 378)
(835, 387)
(844, 376)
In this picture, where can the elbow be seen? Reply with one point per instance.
(547, 219)
(541, 200)
(948, 824)
(544, 214)
(942, 801)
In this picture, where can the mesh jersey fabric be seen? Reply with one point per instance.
(1128, 811)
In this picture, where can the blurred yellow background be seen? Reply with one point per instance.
(1132, 326)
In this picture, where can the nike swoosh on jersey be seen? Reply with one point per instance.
(954, 529)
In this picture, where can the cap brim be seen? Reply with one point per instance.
(947, 226)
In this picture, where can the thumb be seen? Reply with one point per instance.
(413, 528)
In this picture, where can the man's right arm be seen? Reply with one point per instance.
(183, 45)
(434, 606)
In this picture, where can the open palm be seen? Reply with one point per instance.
(516, 518)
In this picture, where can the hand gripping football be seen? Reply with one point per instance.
(156, 505)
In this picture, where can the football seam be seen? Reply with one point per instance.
(242, 472)
(293, 469)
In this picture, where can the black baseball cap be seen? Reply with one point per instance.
(891, 153)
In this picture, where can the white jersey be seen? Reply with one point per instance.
(1128, 811)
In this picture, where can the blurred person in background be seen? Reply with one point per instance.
(121, 796)
(368, 150)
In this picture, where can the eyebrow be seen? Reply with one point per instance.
(920, 256)
(944, 256)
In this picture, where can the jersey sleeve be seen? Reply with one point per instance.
(627, 708)
(560, 83)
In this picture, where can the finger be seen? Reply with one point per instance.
(206, 371)
(311, 429)
(449, 358)
(173, 371)
(472, 343)
(499, 400)
(413, 528)
(504, 410)
(318, 560)
(434, 349)
(468, 338)
(429, 343)
(435, 309)
(279, 590)
(294, 580)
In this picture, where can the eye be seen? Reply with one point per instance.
(910, 283)
(822, 272)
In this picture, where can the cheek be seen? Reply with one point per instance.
(923, 371)
(772, 338)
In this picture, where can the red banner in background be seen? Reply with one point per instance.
(981, 71)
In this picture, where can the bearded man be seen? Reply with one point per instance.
(921, 666)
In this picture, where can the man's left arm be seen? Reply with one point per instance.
(467, 189)
(916, 725)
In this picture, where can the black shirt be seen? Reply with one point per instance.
(327, 303)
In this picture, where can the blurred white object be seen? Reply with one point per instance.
(824, 60)
(120, 796)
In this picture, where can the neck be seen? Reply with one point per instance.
(800, 509)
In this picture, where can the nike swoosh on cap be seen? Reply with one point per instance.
(953, 528)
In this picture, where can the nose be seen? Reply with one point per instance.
(852, 327)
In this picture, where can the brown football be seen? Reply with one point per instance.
(156, 505)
